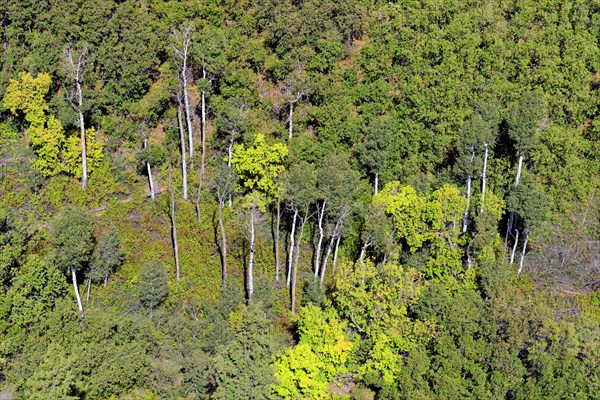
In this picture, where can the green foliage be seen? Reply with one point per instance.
(243, 367)
(45, 133)
(321, 354)
(408, 92)
(109, 256)
(260, 165)
(72, 238)
(153, 289)
(427, 219)
(529, 201)
(32, 295)
(524, 120)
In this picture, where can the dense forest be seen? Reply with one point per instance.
(299, 199)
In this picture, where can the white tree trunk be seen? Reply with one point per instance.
(84, 171)
(188, 117)
(335, 253)
(376, 182)
(483, 176)
(512, 256)
(291, 120)
(466, 216)
(277, 225)
(251, 260)
(149, 169)
(324, 267)
(520, 166)
(291, 255)
(523, 253)
(89, 289)
(321, 213)
(296, 257)
(363, 251)
(150, 181)
(183, 155)
(182, 51)
(76, 289)
(76, 70)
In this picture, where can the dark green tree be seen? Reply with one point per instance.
(243, 369)
(109, 256)
(529, 202)
(153, 289)
(73, 243)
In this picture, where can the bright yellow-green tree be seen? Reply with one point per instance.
(55, 151)
(306, 370)
(258, 167)
(45, 133)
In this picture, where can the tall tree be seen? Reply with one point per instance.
(525, 120)
(182, 39)
(73, 242)
(109, 255)
(468, 162)
(222, 185)
(184, 166)
(529, 202)
(258, 167)
(76, 60)
(300, 187)
(210, 53)
(490, 113)
(45, 132)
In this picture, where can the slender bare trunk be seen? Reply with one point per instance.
(150, 181)
(174, 229)
(186, 101)
(203, 140)
(84, 172)
(321, 213)
(512, 256)
(523, 253)
(520, 166)
(324, 267)
(483, 176)
(89, 289)
(291, 120)
(149, 170)
(296, 257)
(291, 255)
(106, 279)
(76, 289)
(223, 243)
(363, 251)
(511, 218)
(183, 155)
(251, 260)
(76, 70)
(183, 53)
(335, 253)
(230, 150)
(276, 238)
(376, 182)
(466, 216)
